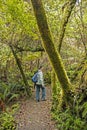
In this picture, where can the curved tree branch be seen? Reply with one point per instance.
(67, 8)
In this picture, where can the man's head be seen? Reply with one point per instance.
(40, 67)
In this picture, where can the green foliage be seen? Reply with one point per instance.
(6, 93)
(74, 118)
(17, 14)
(47, 77)
(4, 54)
(56, 94)
(84, 113)
(31, 56)
(67, 121)
(7, 121)
(18, 28)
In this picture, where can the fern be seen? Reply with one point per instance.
(84, 113)
(7, 121)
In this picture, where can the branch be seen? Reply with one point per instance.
(20, 49)
(69, 7)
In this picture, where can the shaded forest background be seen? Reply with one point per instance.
(22, 51)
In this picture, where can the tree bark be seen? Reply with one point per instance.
(49, 47)
(67, 9)
(53, 83)
(27, 88)
(55, 100)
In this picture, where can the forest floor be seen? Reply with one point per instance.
(34, 115)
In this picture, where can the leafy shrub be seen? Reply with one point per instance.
(67, 121)
(7, 92)
(47, 77)
(7, 121)
(75, 118)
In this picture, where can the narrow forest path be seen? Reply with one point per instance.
(34, 115)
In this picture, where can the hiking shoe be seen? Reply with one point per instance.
(38, 100)
(43, 99)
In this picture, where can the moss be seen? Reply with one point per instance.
(27, 88)
(49, 47)
(67, 12)
(53, 79)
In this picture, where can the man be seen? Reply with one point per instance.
(40, 85)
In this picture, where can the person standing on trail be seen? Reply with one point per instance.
(40, 85)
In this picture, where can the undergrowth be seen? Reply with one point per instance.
(74, 118)
(7, 120)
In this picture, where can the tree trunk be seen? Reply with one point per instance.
(67, 9)
(27, 88)
(53, 83)
(49, 47)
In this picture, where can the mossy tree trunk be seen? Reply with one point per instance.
(49, 47)
(27, 88)
(53, 82)
(67, 9)
(55, 91)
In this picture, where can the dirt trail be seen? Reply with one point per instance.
(36, 115)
